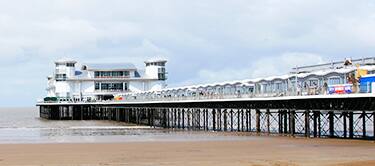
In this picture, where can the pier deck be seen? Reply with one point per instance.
(339, 116)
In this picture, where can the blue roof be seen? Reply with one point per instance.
(110, 66)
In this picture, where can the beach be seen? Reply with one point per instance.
(265, 151)
(26, 139)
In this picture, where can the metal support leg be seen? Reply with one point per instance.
(307, 123)
(331, 124)
(257, 120)
(351, 124)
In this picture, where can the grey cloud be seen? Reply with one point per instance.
(204, 41)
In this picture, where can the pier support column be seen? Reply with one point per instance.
(218, 121)
(213, 119)
(231, 120)
(268, 120)
(344, 115)
(351, 124)
(225, 120)
(280, 121)
(248, 120)
(207, 124)
(81, 111)
(292, 122)
(183, 118)
(164, 112)
(331, 124)
(242, 120)
(257, 120)
(307, 123)
(285, 114)
(315, 116)
(364, 124)
(238, 120)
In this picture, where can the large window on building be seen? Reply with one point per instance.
(106, 74)
(111, 86)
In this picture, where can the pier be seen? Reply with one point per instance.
(349, 116)
(333, 100)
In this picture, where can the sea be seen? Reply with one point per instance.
(23, 125)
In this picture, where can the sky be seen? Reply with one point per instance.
(203, 41)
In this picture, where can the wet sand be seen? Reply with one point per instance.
(263, 151)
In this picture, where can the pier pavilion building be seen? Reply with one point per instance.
(72, 81)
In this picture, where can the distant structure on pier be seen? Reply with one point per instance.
(340, 77)
(101, 81)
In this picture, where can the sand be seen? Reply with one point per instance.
(261, 151)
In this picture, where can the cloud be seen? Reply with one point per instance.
(204, 41)
(260, 68)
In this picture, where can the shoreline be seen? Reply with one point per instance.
(263, 151)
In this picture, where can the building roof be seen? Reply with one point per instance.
(156, 60)
(110, 66)
(65, 60)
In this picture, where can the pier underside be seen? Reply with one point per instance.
(351, 117)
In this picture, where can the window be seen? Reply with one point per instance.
(279, 86)
(334, 80)
(104, 86)
(126, 73)
(107, 74)
(126, 86)
(313, 82)
(97, 85)
(70, 64)
(60, 77)
(116, 86)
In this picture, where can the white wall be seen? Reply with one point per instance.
(136, 86)
(88, 86)
(151, 72)
(62, 87)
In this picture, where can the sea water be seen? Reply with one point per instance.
(23, 125)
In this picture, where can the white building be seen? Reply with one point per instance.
(102, 81)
